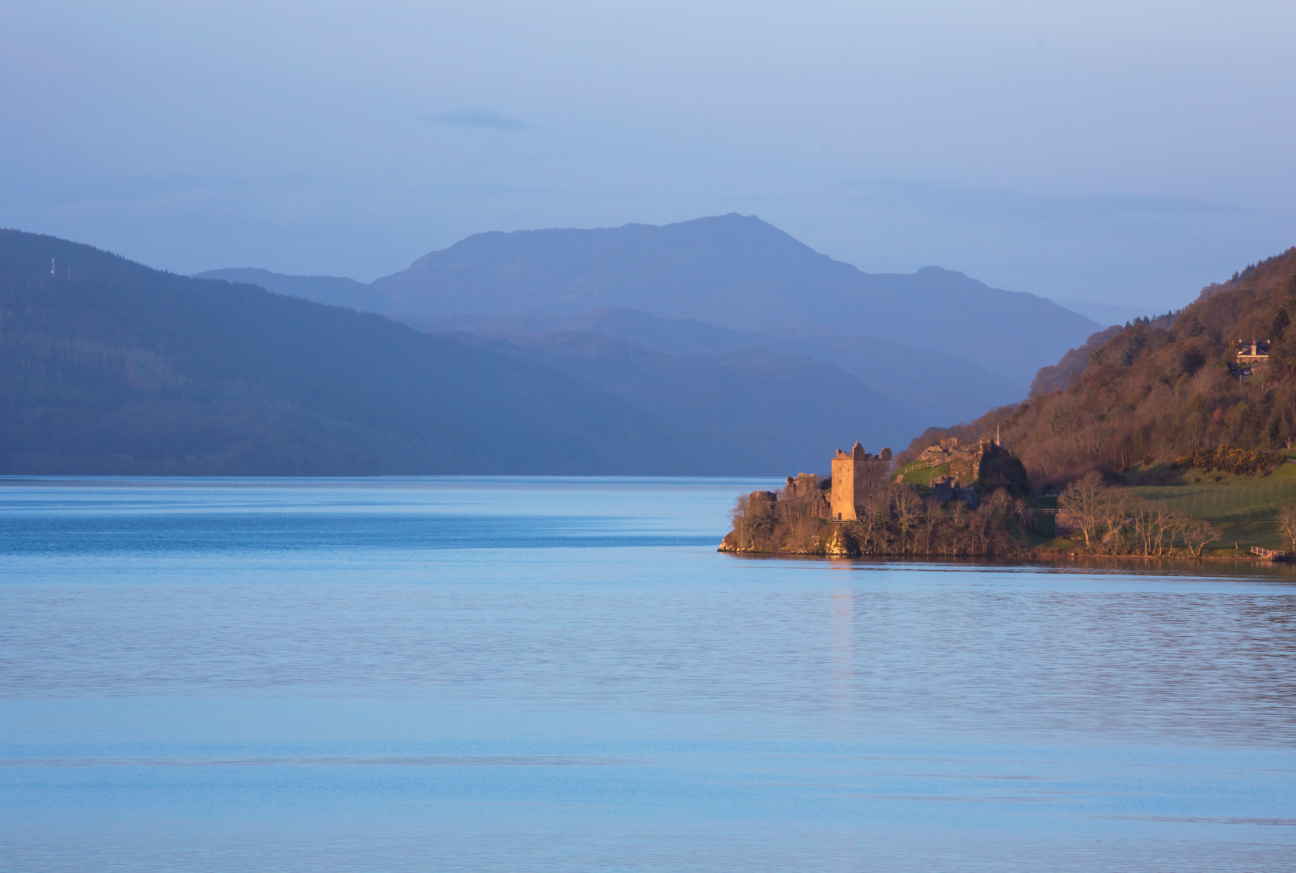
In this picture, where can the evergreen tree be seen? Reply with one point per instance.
(1280, 323)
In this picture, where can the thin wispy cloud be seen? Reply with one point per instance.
(949, 199)
(478, 118)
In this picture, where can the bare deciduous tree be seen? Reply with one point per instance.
(1115, 519)
(930, 524)
(957, 537)
(800, 507)
(1197, 534)
(908, 508)
(1084, 504)
(1287, 524)
(743, 523)
(1149, 523)
(751, 518)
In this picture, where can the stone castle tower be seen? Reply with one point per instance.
(857, 478)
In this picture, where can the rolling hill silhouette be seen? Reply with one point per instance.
(107, 366)
(738, 272)
(935, 342)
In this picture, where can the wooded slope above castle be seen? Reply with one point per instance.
(1152, 392)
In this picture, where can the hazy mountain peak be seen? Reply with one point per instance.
(735, 271)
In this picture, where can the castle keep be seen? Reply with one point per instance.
(859, 483)
(858, 478)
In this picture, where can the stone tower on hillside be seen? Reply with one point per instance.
(857, 479)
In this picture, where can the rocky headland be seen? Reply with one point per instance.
(974, 506)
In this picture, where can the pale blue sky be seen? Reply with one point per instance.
(1122, 152)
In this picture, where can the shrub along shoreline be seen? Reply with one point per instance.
(899, 522)
(1089, 519)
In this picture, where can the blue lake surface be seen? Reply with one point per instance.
(553, 674)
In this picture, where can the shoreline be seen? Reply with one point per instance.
(1025, 558)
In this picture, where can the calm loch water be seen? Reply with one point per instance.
(538, 674)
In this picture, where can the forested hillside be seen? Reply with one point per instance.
(747, 410)
(107, 366)
(1158, 391)
(930, 387)
(333, 290)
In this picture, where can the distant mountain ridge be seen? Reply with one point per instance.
(330, 290)
(929, 385)
(124, 369)
(935, 342)
(110, 367)
(741, 408)
(738, 272)
(1106, 313)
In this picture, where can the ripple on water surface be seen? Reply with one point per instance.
(564, 674)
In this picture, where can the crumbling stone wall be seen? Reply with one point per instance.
(984, 463)
(809, 494)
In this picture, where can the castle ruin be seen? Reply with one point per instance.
(858, 483)
(984, 464)
(858, 479)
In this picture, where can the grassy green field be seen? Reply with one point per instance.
(923, 476)
(1245, 511)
